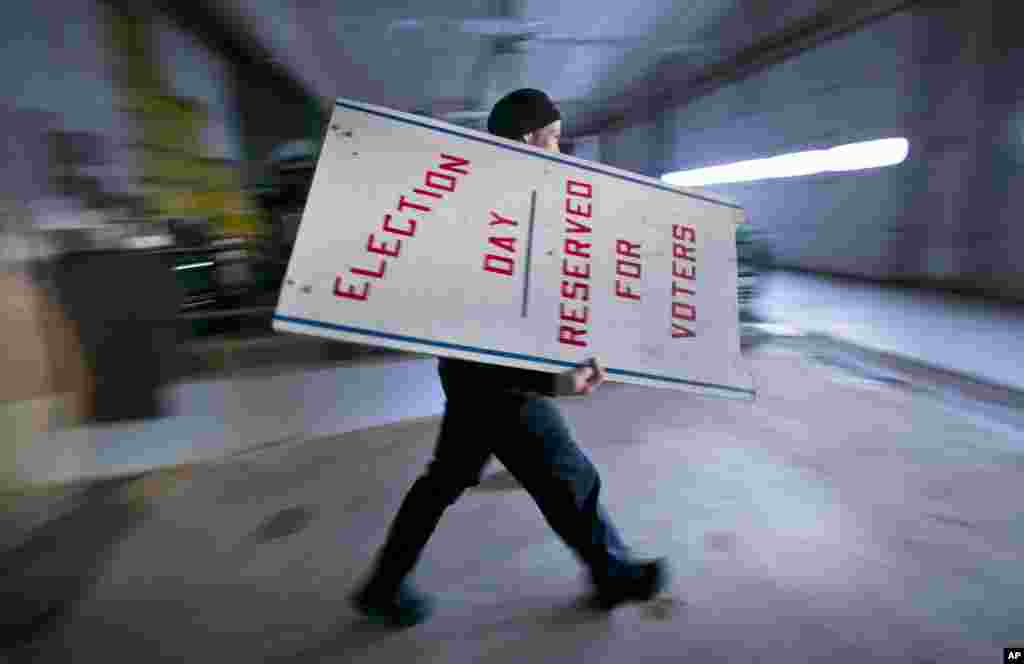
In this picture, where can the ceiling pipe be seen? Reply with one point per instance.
(226, 31)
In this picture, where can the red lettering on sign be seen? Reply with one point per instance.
(683, 252)
(627, 269)
(679, 290)
(383, 248)
(499, 264)
(350, 292)
(679, 331)
(684, 271)
(454, 164)
(627, 249)
(684, 233)
(409, 232)
(577, 248)
(581, 273)
(580, 189)
(684, 311)
(433, 176)
(433, 180)
(574, 290)
(624, 291)
(403, 203)
(367, 273)
(567, 335)
(571, 316)
(578, 211)
(576, 227)
(498, 220)
(571, 290)
(506, 243)
(503, 242)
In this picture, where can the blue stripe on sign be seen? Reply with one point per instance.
(498, 353)
(481, 139)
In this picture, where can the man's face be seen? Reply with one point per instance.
(546, 137)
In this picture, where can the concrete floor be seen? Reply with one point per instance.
(839, 518)
(969, 335)
(218, 416)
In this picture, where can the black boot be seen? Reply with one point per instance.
(633, 582)
(403, 607)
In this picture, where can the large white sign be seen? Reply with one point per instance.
(427, 237)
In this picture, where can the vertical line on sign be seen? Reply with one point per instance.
(529, 246)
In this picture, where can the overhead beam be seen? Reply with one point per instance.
(667, 86)
(225, 32)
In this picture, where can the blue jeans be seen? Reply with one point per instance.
(531, 438)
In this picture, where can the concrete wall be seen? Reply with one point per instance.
(54, 76)
(945, 78)
(635, 148)
(57, 64)
(260, 106)
(58, 74)
(587, 147)
(62, 67)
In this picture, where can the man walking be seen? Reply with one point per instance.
(533, 441)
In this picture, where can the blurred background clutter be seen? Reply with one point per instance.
(138, 210)
(158, 158)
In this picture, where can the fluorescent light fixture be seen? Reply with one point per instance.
(849, 157)
(192, 266)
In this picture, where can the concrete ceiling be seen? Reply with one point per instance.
(600, 61)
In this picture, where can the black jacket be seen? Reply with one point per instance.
(463, 378)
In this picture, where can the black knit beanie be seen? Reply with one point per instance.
(520, 112)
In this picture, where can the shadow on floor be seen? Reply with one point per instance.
(46, 576)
